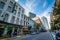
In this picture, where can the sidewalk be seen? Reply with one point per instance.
(19, 36)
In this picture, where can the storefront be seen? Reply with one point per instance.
(25, 30)
(8, 30)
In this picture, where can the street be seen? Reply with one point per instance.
(41, 36)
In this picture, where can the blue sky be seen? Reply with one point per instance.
(38, 7)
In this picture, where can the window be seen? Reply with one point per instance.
(12, 19)
(5, 17)
(22, 11)
(2, 5)
(21, 22)
(22, 15)
(14, 11)
(16, 6)
(0, 12)
(24, 23)
(9, 9)
(17, 21)
(11, 3)
(19, 9)
(18, 13)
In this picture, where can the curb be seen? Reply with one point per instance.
(19, 36)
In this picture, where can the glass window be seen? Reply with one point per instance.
(22, 11)
(17, 21)
(18, 13)
(9, 9)
(19, 9)
(2, 5)
(24, 23)
(16, 6)
(22, 15)
(12, 19)
(21, 21)
(11, 3)
(5, 17)
(0, 12)
(14, 11)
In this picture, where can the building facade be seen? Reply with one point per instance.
(26, 21)
(31, 23)
(31, 15)
(45, 23)
(38, 21)
(11, 17)
(55, 16)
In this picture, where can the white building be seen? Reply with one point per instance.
(12, 14)
(45, 23)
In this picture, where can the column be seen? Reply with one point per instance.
(5, 31)
(18, 31)
(12, 34)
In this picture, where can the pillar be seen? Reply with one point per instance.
(18, 31)
(12, 34)
(5, 31)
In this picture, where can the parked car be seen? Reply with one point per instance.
(33, 33)
(37, 32)
(54, 35)
(58, 36)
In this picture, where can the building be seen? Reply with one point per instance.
(26, 21)
(38, 21)
(56, 14)
(52, 18)
(31, 24)
(11, 18)
(45, 23)
(31, 15)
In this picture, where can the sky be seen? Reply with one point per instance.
(38, 7)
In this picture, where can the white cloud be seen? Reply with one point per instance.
(45, 13)
(44, 4)
(16, 0)
(29, 6)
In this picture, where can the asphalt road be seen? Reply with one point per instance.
(40, 36)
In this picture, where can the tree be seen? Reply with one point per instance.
(55, 25)
(37, 26)
(29, 27)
